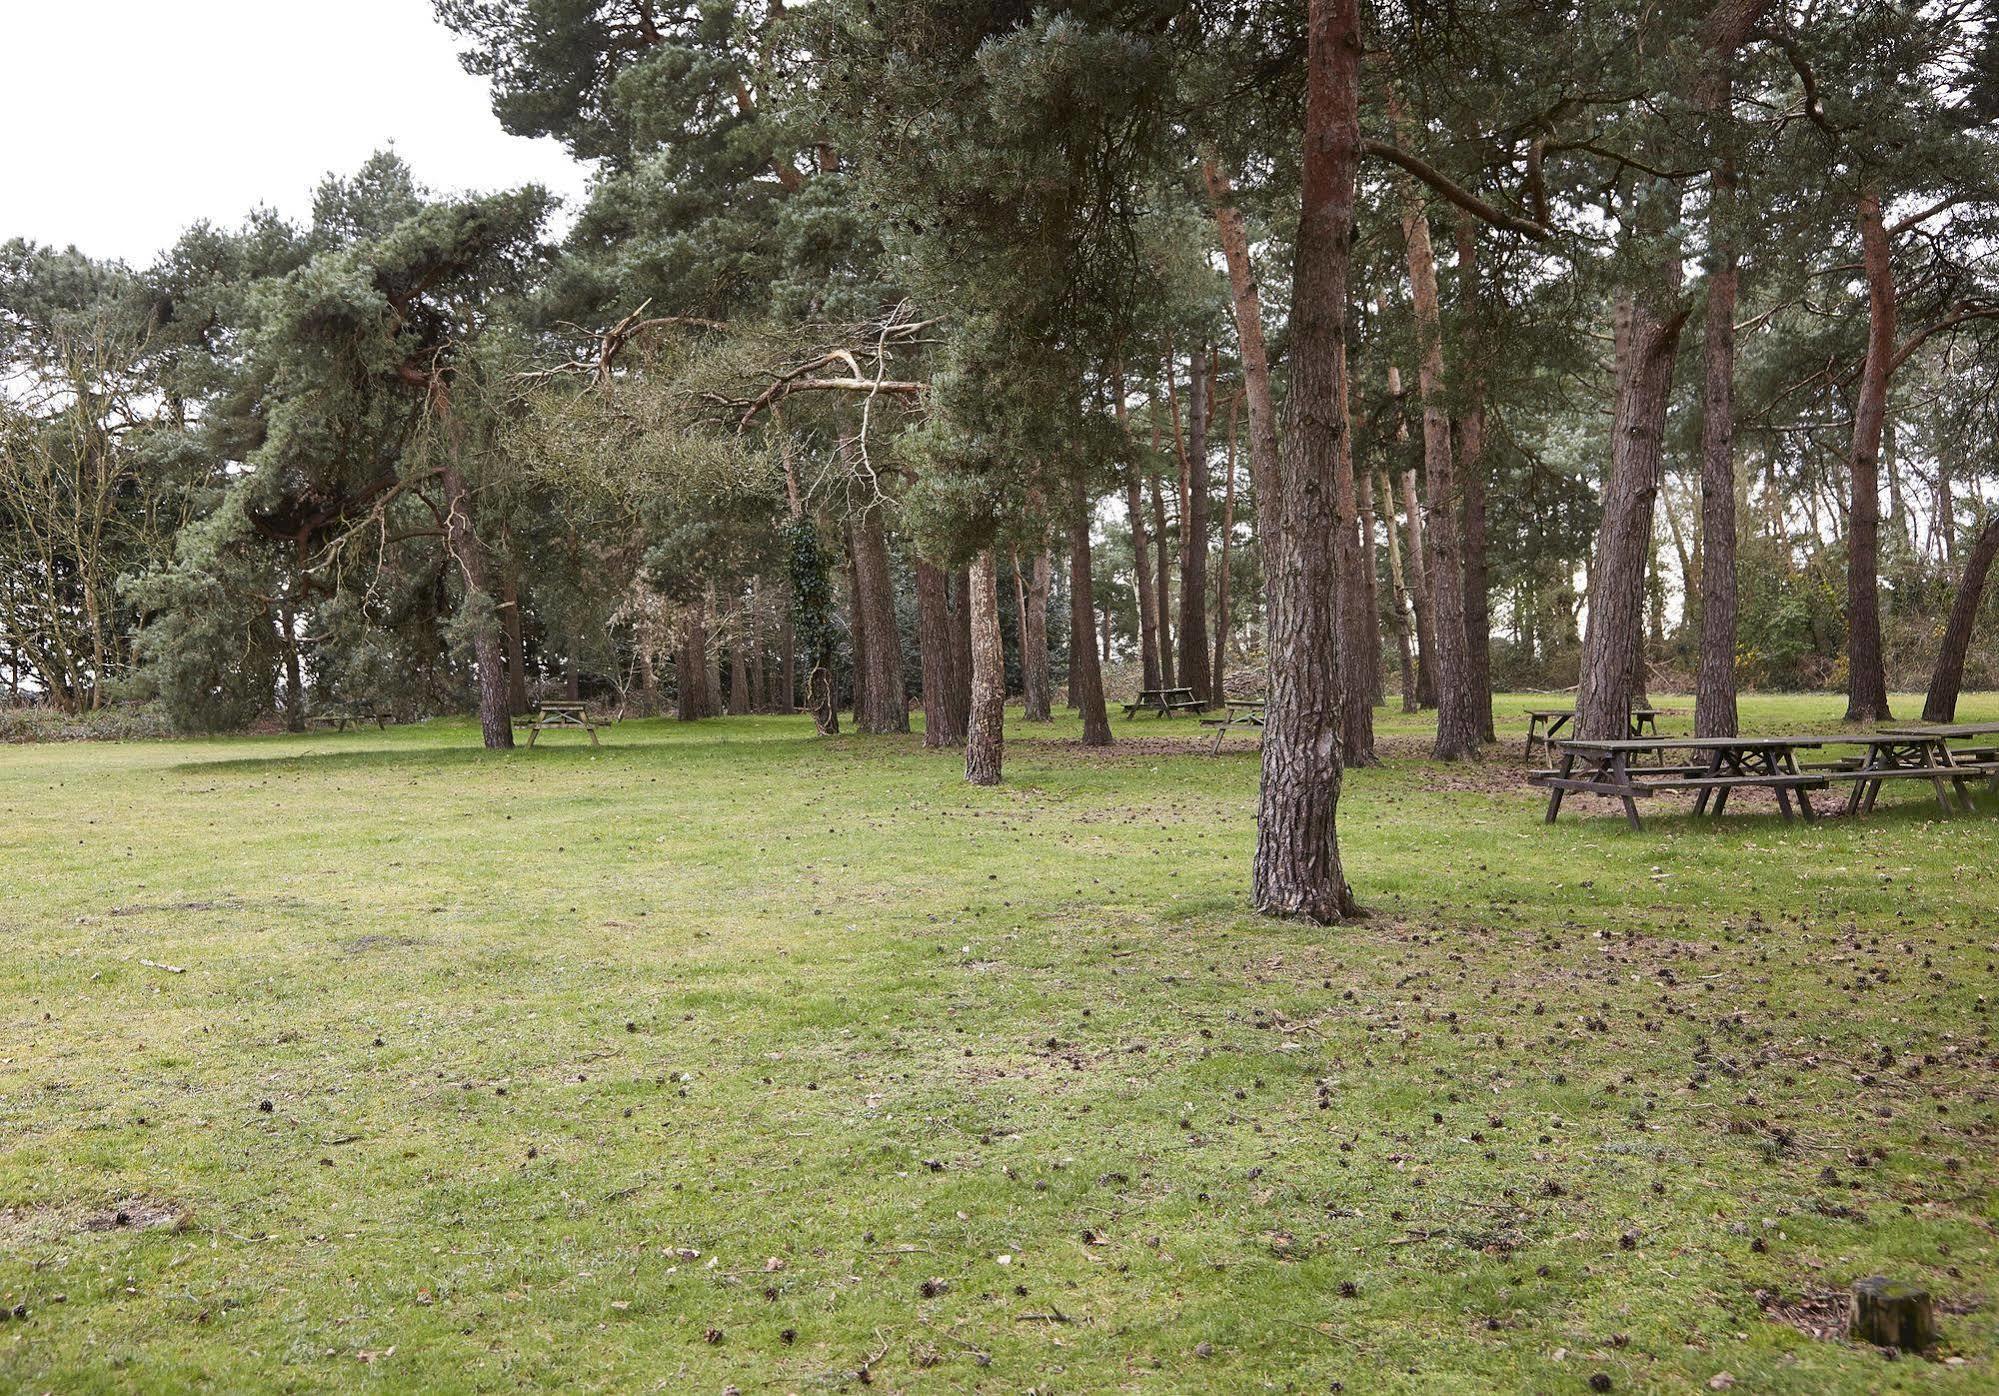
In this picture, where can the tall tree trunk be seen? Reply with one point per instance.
(517, 654)
(1370, 569)
(1219, 674)
(1163, 588)
(1418, 578)
(1086, 676)
(886, 702)
(294, 680)
(1246, 304)
(495, 722)
(1148, 623)
(1457, 717)
(739, 658)
(1031, 597)
(984, 742)
(1297, 868)
(1404, 640)
(711, 656)
(691, 678)
(1941, 704)
(959, 698)
(1193, 666)
(572, 677)
(1613, 645)
(787, 690)
(1867, 676)
(1469, 430)
(1714, 680)
(935, 642)
(1350, 626)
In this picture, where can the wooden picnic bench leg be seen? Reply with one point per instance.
(533, 732)
(1620, 768)
(1556, 792)
(591, 728)
(1713, 766)
(1532, 723)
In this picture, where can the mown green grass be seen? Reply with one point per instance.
(727, 1056)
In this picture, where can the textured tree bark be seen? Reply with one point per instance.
(1404, 640)
(1220, 672)
(1714, 680)
(1297, 868)
(935, 642)
(787, 689)
(1350, 626)
(984, 741)
(517, 654)
(1948, 678)
(739, 658)
(1246, 304)
(495, 721)
(1163, 587)
(572, 676)
(294, 680)
(1141, 563)
(691, 678)
(1086, 676)
(1648, 337)
(1418, 579)
(884, 701)
(711, 655)
(960, 695)
(1193, 665)
(1370, 568)
(1866, 675)
(1469, 430)
(1457, 717)
(1037, 684)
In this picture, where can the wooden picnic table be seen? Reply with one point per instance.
(1164, 701)
(1717, 766)
(1916, 753)
(562, 713)
(340, 717)
(1236, 712)
(1544, 723)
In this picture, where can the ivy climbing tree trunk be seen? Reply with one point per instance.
(1297, 869)
(1941, 704)
(984, 741)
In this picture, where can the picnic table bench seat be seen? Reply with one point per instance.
(338, 718)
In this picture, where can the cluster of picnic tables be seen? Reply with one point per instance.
(1947, 757)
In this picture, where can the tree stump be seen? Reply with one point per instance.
(1892, 1314)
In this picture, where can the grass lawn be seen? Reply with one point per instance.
(727, 1056)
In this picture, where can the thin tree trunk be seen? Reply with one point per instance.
(1349, 624)
(1370, 573)
(1941, 704)
(739, 659)
(1418, 577)
(711, 655)
(1404, 640)
(294, 680)
(787, 693)
(1163, 588)
(517, 655)
(1194, 672)
(935, 643)
(1867, 677)
(1471, 470)
(1086, 677)
(1221, 665)
(984, 742)
(1142, 579)
(1457, 717)
(691, 701)
(1297, 868)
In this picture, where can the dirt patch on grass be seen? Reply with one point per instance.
(1817, 1313)
(140, 1214)
(361, 945)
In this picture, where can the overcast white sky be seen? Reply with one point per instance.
(127, 120)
